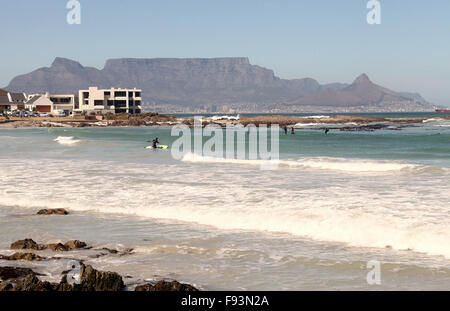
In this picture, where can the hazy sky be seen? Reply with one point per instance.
(324, 39)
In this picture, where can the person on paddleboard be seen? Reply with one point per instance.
(155, 143)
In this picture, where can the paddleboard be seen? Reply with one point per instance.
(159, 147)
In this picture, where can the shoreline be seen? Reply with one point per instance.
(155, 120)
(25, 265)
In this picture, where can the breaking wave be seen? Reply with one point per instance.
(67, 140)
(323, 163)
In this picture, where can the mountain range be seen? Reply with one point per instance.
(217, 84)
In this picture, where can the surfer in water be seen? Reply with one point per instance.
(292, 131)
(285, 130)
(326, 131)
(155, 143)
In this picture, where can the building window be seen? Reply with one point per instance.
(138, 94)
(110, 102)
(138, 102)
(98, 102)
(86, 94)
(120, 94)
(120, 104)
(107, 93)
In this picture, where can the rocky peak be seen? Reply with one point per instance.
(66, 63)
(362, 79)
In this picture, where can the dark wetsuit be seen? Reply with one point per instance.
(155, 143)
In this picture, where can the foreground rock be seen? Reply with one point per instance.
(75, 244)
(93, 280)
(26, 244)
(4, 286)
(57, 247)
(90, 280)
(13, 273)
(164, 286)
(22, 256)
(55, 211)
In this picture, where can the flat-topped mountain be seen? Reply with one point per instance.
(196, 82)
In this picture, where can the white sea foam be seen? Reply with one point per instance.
(324, 163)
(308, 124)
(317, 117)
(433, 120)
(67, 140)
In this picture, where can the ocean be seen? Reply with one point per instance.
(335, 203)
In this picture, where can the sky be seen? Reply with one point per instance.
(327, 40)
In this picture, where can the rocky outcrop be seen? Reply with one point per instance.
(32, 284)
(55, 211)
(26, 244)
(5, 286)
(22, 256)
(8, 273)
(75, 244)
(93, 280)
(57, 247)
(165, 286)
(90, 280)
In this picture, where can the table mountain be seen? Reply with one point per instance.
(201, 81)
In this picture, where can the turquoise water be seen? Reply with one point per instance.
(334, 202)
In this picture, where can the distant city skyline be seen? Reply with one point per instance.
(329, 41)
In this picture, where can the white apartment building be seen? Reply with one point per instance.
(64, 103)
(109, 100)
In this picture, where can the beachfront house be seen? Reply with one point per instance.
(52, 103)
(5, 102)
(40, 103)
(110, 100)
(17, 101)
(12, 101)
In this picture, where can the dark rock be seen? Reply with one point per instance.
(4, 286)
(124, 252)
(165, 286)
(22, 256)
(75, 244)
(90, 280)
(32, 284)
(57, 247)
(8, 273)
(93, 280)
(55, 211)
(26, 244)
